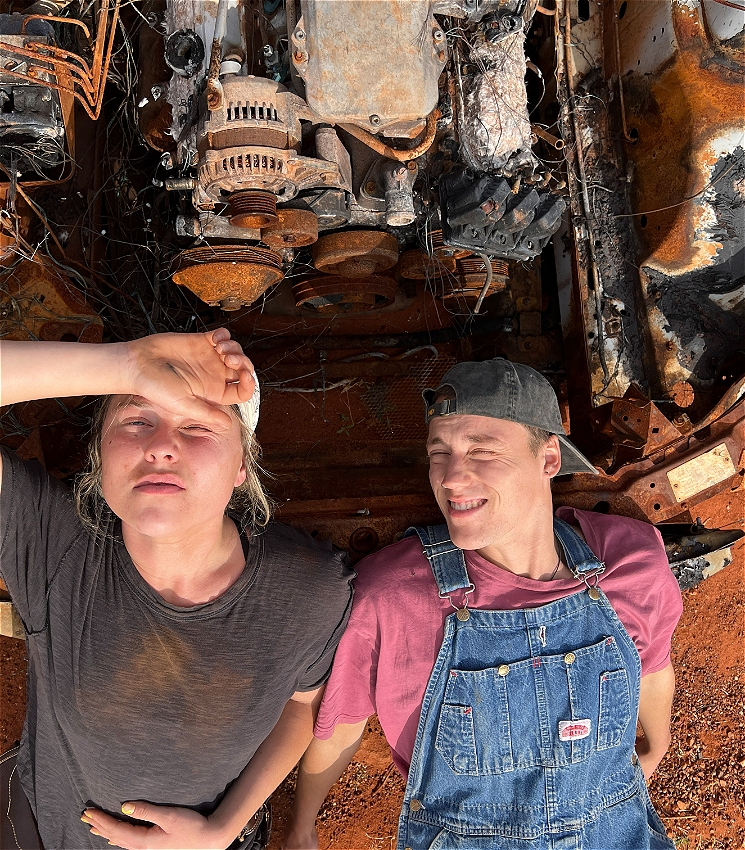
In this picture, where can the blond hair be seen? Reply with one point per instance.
(249, 500)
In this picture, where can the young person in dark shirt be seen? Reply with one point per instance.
(177, 649)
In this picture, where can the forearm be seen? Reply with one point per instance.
(321, 766)
(271, 763)
(35, 370)
(655, 705)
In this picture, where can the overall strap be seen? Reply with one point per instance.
(580, 559)
(446, 559)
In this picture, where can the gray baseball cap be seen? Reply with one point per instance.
(501, 389)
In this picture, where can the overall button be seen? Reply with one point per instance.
(415, 805)
(503, 669)
(569, 658)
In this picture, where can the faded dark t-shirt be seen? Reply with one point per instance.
(132, 698)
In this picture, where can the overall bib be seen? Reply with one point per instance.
(528, 723)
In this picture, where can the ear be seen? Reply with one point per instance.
(240, 476)
(551, 454)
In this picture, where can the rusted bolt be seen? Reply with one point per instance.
(438, 35)
(364, 540)
(371, 187)
(669, 345)
(299, 34)
(375, 120)
(411, 165)
(300, 56)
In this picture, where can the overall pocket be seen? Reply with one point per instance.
(550, 711)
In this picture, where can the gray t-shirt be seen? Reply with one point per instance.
(132, 698)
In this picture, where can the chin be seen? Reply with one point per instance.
(465, 539)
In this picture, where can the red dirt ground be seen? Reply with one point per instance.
(698, 788)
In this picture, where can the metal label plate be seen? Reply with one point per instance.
(702, 472)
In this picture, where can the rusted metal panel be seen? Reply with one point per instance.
(38, 302)
(685, 105)
(705, 462)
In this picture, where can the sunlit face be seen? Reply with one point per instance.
(487, 481)
(164, 474)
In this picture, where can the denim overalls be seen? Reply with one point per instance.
(528, 723)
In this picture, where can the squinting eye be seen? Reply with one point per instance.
(198, 428)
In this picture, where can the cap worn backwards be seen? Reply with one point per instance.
(501, 389)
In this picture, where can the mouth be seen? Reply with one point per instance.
(160, 485)
(463, 507)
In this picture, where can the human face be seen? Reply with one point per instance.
(487, 481)
(165, 474)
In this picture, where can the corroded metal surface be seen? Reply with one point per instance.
(470, 277)
(227, 275)
(252, 209)
(279, 171)
(38, 302)
(670, 480)
(66, 72)
(416, 265)
(294, 229)
(685, 104)
(255, 111)
(375, 65)
(355, 253)
(330, 294)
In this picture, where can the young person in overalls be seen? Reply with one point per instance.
(509, 653)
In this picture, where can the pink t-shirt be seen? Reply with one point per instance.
(386, 655)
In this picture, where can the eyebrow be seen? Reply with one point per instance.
(134, 403)
(472, 438)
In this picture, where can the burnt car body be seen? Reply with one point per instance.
(366, 193)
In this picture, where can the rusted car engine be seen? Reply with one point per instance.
(404, 122)
(366, 192)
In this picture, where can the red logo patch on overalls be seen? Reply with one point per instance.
(573, 730)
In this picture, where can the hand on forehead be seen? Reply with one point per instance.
(193, 375)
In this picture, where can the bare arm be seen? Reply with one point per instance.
(180, 829)
(321, 766)
(655, 705)
(192, 373)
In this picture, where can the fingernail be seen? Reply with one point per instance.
(95, 832)
(128, 808)
(85, 819)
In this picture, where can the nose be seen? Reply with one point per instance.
(162, 444)
(455, 474)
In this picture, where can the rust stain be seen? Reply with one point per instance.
(678, 113)
(227, 275)
(37, 301)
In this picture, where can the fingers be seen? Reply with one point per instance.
(240, 370)
(116, 832)
(218, 335)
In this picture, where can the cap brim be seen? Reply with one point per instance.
(572, 460)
